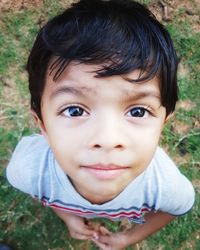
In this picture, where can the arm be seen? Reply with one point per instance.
(79, 228)
(154, 222)
(117, 241)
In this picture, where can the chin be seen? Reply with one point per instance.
(107, 192)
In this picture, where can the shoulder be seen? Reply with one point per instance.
(164, 167)
(176, 191)
(163, 161)
(31, 142)
(29, 148)
(26, 162)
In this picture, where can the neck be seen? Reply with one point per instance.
(95, 198)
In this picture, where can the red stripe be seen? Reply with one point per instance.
(121, 214)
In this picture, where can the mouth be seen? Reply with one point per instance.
(106, 172)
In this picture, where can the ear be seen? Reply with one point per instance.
(39, 123)
(169, 117)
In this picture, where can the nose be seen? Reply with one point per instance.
(108, 135)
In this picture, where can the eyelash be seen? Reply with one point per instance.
(73, 106)
(146, 110)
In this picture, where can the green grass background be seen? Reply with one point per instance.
(24, 223)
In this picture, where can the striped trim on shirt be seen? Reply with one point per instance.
(131, 213)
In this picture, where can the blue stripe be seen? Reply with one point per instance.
(68, 205)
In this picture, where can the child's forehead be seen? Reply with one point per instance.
(81, 72)
(81, 80)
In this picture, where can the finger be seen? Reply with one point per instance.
(102, 246)
(104, 231)
(85, 231)
(84, 234)
(78, 236)
(90, 230)
(106, 239)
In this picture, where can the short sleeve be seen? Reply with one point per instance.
(180, 197)
(22, 171)
(177, 196)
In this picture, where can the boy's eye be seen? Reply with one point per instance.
(74, 111)
(138, 112)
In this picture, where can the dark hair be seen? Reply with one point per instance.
(119, 35)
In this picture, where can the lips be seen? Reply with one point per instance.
(105, 172)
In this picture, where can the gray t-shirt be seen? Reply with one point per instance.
(33, 169)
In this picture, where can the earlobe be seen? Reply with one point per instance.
(39, 123)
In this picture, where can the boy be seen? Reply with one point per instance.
(102, 78)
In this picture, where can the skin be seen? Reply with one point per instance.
(115, 128)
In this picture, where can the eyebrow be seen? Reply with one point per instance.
(85, 92)
(143, 94)
(78, 91)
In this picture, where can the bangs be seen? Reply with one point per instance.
(118, 44)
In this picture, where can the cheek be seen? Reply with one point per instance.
(144, 147)
(65, 155)
(64, 148)
(144, 143)
(150, 133)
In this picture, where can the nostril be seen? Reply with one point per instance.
(97, 146)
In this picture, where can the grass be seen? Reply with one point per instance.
(24, 223)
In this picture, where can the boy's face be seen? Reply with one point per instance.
(103, 131)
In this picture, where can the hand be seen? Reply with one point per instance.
(123, 239)
(79, 228)
(111, 241)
